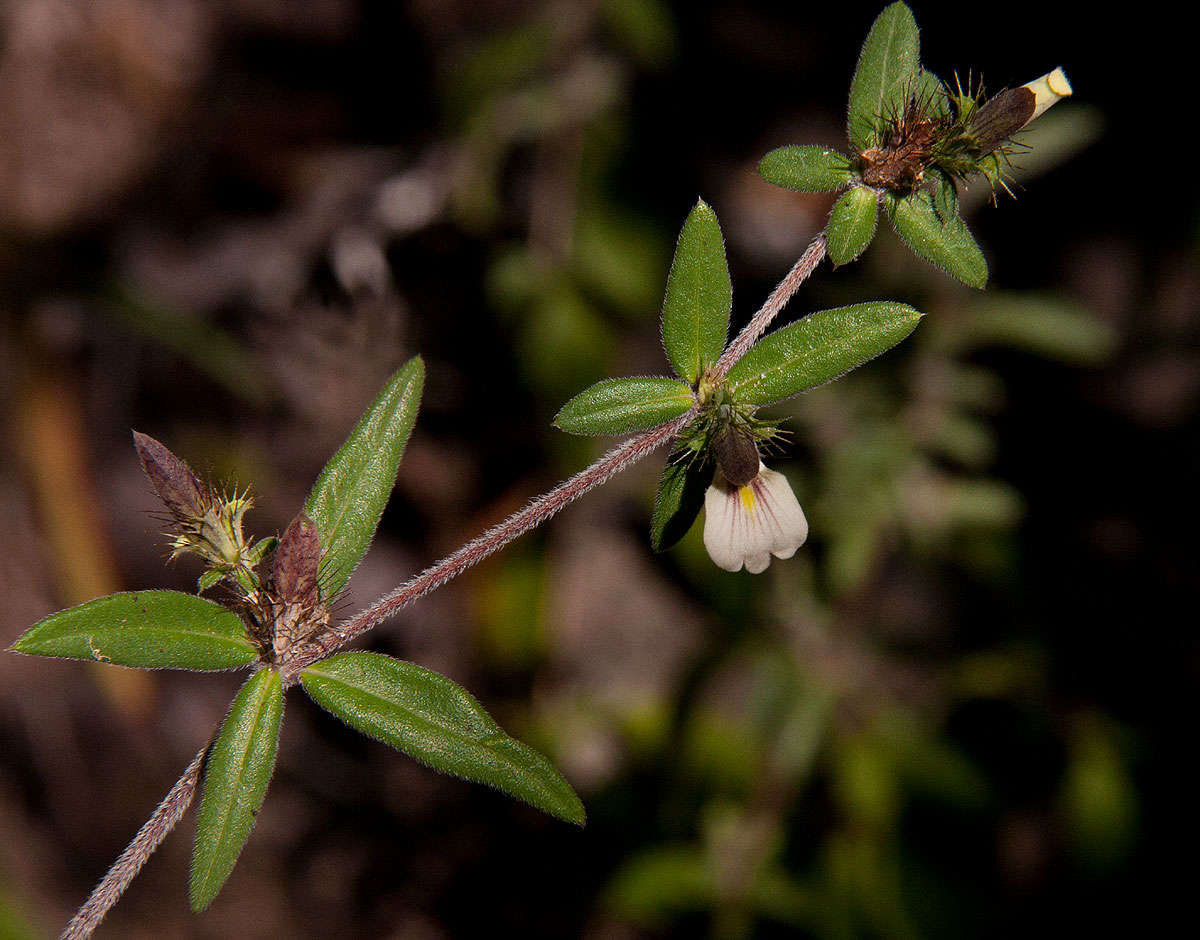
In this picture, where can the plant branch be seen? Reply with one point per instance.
(130, 862)
(779, 297)
(495, 538)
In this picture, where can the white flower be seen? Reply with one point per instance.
(1048, 90)
(746, 525)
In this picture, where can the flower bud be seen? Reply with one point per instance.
(173, 480)
(737, 455)
(297, 560)
(1005, 114)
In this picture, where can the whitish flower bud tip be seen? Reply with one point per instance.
(1048, 90)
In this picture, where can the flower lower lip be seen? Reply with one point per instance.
(745, 525)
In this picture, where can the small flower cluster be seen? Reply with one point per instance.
(281, 609)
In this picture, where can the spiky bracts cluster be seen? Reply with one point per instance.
(953, 135)
(281, 608)
(202, 520)
(907, 147)
(725, 432)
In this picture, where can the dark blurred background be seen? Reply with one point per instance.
(961, 710)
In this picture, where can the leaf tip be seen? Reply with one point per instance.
(199, 895)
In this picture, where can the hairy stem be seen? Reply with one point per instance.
(495, 538)
(782, 293)
(148, 838)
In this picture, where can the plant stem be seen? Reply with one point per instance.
(130, 862)
(495, 538)
(782, 293)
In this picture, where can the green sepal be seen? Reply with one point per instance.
(818, 349)
(806, 169)
(851, 224)
(209, 579)
(439, 723)
(618, 406)
(236, 775)
(144, 629)
(679, 499)
(353, 488)
(946, 242)
(887, 71)
(261, 549)
(699, 296)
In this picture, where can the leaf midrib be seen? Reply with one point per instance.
(421, 716)
(227, 814)
(894, 22)
(761, 377)
(374, 452)
(551, 796)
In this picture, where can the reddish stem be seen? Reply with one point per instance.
(130, 862)
(495, 538)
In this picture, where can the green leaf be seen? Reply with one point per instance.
(699, 296)
(944, 196)
(805, 169)
(817, 349)
(439, 723)
(887, 70)
(929, 89)
(851, 225)
(680, 498)
(146, 629)
(208, 579)
(617, 406)
(945, 242)
(349, 495)
(235, 781)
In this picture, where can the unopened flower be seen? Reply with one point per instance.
(1048, 90)
(292, 604)
(747, 524)
(201, 520)
(994, 123)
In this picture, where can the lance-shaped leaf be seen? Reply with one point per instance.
(352, 490)
(805, 169)
(941, 238)
(146, 629)
(851, 225)
(239, 768)
(888, 69)
(618, 406)
(439, 723)
(817, 349)
(699, 296)
(679, 500)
